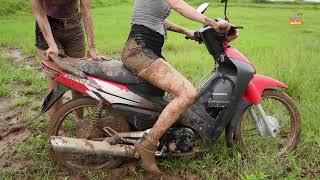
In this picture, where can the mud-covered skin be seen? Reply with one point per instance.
(146, 150)
(162, 75)
(136, 57)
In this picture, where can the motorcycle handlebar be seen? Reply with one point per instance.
(198, 38)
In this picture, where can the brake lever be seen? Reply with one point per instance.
(238, 27)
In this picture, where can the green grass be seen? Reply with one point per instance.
(277, 49)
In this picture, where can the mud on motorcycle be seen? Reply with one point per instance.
(117, 108)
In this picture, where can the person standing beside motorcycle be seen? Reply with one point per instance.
(59, 28)
(142, 56)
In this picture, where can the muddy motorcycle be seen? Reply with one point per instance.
(98, 129)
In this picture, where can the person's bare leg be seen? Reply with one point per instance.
(51, 85)
(83, 130)
(162, 75)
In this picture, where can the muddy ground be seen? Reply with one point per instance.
(14, 131)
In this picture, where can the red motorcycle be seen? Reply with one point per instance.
(98, 130)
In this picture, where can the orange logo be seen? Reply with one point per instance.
(296, 18)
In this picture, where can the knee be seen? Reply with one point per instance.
(189, 95)
(192, 94)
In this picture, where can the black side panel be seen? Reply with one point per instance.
(241, 108)
(146, 90)
(197, 118)
(52, 97)
(140, 119)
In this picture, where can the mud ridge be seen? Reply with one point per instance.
(13, 132)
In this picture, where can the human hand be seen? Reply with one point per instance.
(93, 53)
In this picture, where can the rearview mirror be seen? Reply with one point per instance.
(203, 7)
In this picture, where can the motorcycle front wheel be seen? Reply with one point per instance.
(284, 114)
(73, 120)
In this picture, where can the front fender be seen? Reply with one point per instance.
(256, 87)
(52, 97)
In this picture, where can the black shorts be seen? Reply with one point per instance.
(68, 34)
(142, 48)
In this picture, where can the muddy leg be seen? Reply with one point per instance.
(162, 75)
(51, 85)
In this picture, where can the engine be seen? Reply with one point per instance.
(178, 140)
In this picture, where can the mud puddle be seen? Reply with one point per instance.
(13, 132)
(16, 57)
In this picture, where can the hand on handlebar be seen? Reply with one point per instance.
(222, 26)
(189, 34)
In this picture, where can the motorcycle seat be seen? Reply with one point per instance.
(112, 70)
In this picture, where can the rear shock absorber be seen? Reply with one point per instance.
(92, 129)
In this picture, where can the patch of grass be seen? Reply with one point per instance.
(19, 80)
(18, 102)
(35, 148)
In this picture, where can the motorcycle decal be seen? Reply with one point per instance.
(72, 82)
(257, 85)
(117, 91)
(113, 99)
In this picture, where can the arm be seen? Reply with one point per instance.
(44, 25)
(189, 12)
(170, 26)
(85, 10)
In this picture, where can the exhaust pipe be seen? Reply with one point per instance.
(66, 144)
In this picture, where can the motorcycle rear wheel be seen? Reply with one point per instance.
(280, 107)
(63, 124)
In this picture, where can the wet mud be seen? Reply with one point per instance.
(16, 57)
(13, 132)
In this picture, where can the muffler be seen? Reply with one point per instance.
(66, 144)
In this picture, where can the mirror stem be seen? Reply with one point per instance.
(225, 10)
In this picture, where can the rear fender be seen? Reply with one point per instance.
(257, 85)
(52, 98)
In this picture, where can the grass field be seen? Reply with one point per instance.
(285, 52)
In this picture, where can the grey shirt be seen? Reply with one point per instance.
(151, 13)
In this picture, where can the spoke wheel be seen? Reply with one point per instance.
(67, 122)
(280, 109)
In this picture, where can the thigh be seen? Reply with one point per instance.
(136, 57)
(161, 74)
